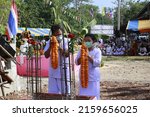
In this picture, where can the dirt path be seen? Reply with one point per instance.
(125, 80)
(120, 79)
(122, 71)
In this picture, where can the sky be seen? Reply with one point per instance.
(106, 3)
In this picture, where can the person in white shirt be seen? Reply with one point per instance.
(143, 51)
(59, 81)
(108, 50)
(94, 61)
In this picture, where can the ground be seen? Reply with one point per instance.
(122, 78)
(125, 78)
(125, 90)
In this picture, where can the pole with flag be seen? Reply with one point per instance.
(12, 24)
(92, 12)
(103, 11)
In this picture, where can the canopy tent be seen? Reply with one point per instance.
(20, 30)
(36, 31)
(139, 25)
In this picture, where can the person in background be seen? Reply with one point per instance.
(92, 62)
(148, 49)
(134, 48)
(108, 50)
(58, 74)
(122, 53)
(100, 41)
(143, 50)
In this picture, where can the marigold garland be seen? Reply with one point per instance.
(84, 66)
(54, 52)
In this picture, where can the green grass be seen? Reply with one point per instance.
(125, 58)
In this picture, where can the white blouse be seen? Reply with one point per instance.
(94, 68)
(59, 72)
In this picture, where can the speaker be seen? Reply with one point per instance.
(7, 47)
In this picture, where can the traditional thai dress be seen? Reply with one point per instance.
(56, 82)
(93, 88)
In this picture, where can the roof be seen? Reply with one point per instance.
(139, 25)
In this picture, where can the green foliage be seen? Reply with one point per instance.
(103, 19)
(4, 11)
(35, 14)
(73, 15)
(126, 58)
(129, 9)
(105, 37)
(102, 36)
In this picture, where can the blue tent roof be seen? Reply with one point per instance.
(133, 25)
(139, 25)
(36, 31)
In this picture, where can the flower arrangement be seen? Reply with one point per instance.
(84, 66)
(71, 35)
(54, 52)
(33, 47)
(37, 46)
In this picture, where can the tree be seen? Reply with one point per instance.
(73, 14)
(129, 9)
(35, 13)
(4, 11)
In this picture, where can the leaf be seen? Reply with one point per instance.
(54, 11)
(92, 23)
(66, 25)
(84, 31)
(57, 20)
